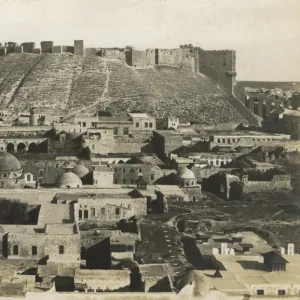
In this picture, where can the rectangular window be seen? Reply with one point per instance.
(281, 292)
(117, 211)
(124, 170)
(224, 141)
(41, 172)
(260, 292)
(152, 176)
(93, 124)
(116, 131)
(79, 123)
(28, 177)
(116, 181)
(146, 125)
(219, 140)
(151, 125)
(84, 124)
(56, 166)
(137, 124)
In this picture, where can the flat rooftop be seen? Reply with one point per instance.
(259, 245)
(153, 270)
(102, 274)
(249, 133)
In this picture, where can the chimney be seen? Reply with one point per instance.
(282, 251)
(290, 249)
(223, 248)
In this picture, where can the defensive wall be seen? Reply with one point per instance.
(278, 182)
(219, 65)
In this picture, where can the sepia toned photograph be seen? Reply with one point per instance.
(149, 149)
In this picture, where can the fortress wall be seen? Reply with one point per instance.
(3, 51)
(106, 52)
(181, 57)
(28, 47)
(79, 47)
(46, 46)
(143, 58)
(67, 49)
(57, 49)
(18, 49)
(36, 50)
(219, 66)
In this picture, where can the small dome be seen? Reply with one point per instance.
(69, 179)
(8, 162)
(186, 173)
(80, 171)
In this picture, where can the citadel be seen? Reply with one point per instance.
(217, 64)
(107, 193)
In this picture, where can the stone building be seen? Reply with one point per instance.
(248, 138)
(155, 278)
(127, 174)
(166, 141)
(110, 207)
(291, 123)
(188, 183)
(142, 122)
(59, 242)
(103, 176)
(69, 179)
(11, 172)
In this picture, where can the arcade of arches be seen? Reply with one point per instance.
(21, 147)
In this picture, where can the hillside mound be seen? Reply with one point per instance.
(65, 84)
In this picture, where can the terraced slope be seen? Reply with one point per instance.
(65, 84)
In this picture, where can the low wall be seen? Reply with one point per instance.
(277, 182)
(99, 296)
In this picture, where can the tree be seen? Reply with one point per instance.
(13, 212)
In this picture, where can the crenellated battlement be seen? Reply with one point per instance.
(219, 65)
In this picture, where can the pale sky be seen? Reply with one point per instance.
(264, 33)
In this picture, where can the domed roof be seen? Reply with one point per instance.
(80, 171)
(69, 179)
(185, 173)
(8, 162)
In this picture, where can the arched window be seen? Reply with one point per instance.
(21, 147)
(92, 212)
(102, 211)
(80, 214)
(61, 249)
(16, 250)
(10, 147)
(34, 250)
